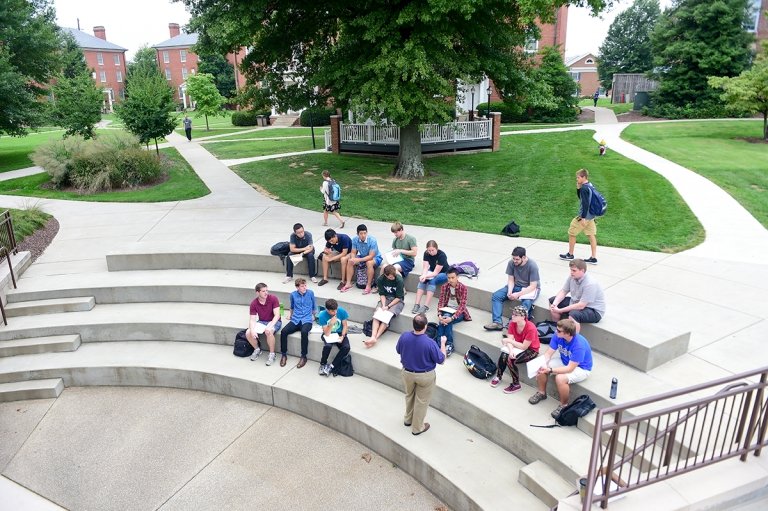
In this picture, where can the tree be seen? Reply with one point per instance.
(747, 92)
(144, 61)
(29, 56)
(223, 73)
(627, 47)
(563, 90)
(693, 40)
(383, 60)
(206, 96)
(148, 108)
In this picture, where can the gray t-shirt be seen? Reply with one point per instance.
(587, 291)
(407, 243)
(301, 242)
(525, 274)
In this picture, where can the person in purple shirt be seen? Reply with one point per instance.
(419, 356)
(302, 315)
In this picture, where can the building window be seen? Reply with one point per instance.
(532, 45)
(754, 16)
(167, 73)
(100, 58)
(183, 55)
(589, 61)
(119, 77)
(103, 76)
(166, 58)
(184, 73)
(575, 75)
(116, 58)
(121, 93)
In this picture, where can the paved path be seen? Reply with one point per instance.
(13, 174)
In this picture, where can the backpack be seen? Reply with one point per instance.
(478, 363)
(467, 268)
(432, 331)
(242, 347)
(368, 328)
(597, 204)
(546, 329)
(511, 229)
(281, 248)
(345, 367)
(361, 275)
(334, 191)
(580, 407)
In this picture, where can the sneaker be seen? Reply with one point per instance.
(424, 309)
(415, 309)
(567, 256)
(321, 371)
(287, 279)
(255, 353)
(556, 412)
(325, 370)
(493, 326)
(448, 350)
(537, 398)
(322, 282)
(270, 359)
(313, 279)
(591, 260)
(495, 381)
(513, 387)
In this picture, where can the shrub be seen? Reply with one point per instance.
(509, 112)
(320, 116)
(248, 117)
(56, 158)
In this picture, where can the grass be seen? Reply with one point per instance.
(526, 127)
(182, 184)
(531, 180)
(27, 221)
(233, 150)
(716, 150)
(15, 151)
(275, 132)
(618, 108)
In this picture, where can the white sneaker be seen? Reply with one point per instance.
(287, 279)
(255, 353)
(270, 359)
(314, 279)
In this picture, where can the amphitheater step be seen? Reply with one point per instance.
(543, 482)
(31, 389)
(50, 306)
(31, 345)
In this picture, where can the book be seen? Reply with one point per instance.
(258, 329)
(296, 258)
(529, 296)
(332, 338)
(382, 315)
(447, 310)
(534, 365)
(392, 258)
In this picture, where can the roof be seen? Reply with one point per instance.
(571, 61)
(179, 41)
(90, 42)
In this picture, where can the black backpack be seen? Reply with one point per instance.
(570, 415)
(546, 329)
(242, 347)
(345, 367)
(511, 229)
(368, 328)
(281, 249)
(432, 331)
(478, 363)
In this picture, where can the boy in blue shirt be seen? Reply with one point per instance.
(334, 322)
(302, 315)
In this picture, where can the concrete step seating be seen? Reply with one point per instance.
(74, 304)
(31, 345)
(31, 389)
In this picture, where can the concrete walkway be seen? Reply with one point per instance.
(13, 174)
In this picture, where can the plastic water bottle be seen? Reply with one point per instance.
(614, 387)
(281, 312)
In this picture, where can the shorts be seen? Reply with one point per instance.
(330, 208)
(406, 266)
(397, 309)
(278, 325)
(585, 315)
(574, 376)
(589, 228)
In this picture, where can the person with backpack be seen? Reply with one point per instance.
(432, 275)
(331, 199)
(586, 303)
(519, 346)
(585, 220)
(334, 321)
(391, 295)
(523, 283)
(419, 355)
(365, 248)
(451, 308)
(568, 359)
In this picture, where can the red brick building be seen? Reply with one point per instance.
(583, 70)
(106, 61)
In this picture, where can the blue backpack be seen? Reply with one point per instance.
(334, 191)
(597, 204)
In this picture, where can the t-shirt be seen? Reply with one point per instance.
(407, 243)
(365, 247)
(439, 258)
(418, 352)
(323, 318)
(391, 288)
(525, 273)
(266, 311)
(529, 332)
(301, 242)
(586, 290)
(577, 350)
(343, 241)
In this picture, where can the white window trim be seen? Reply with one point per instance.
(166, 57)
(183, 55)
(103, 76)
(119, 77)
(100, 58)
(167, 73)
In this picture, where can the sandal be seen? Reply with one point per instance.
(367, 291)
(345, 288)
(537, 398)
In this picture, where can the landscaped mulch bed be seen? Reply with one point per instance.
(38, 241)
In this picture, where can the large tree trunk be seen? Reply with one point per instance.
(409, 165)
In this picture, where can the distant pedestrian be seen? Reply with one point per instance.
(596, 96)
(188, 127)
(331, 204)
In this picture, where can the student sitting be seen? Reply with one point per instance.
(432, 275)
(334, 322)
(391, 294)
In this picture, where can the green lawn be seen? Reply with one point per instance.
(274, 132)
(526, 127)
(15, 151)
(181, 184)
(618, 108)
(233, 150)
(717, 151)
(531, 180)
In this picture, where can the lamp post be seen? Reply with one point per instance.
(489, 90)
(472, 108)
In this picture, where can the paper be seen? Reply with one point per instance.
(296, 258)
(447, 310)
(316, 329)
(331, 338)
(529, 296)
(392, 258)
(534, 365)
(382, 315)
(258, 329)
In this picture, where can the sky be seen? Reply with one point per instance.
(131, 24)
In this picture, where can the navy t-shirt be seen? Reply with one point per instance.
(343, 242)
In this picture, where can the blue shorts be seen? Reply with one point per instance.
(278, 325)
(406, 265)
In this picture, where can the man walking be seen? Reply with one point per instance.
(584, 221)
(419, 356)
(523, 283)
(188, 127)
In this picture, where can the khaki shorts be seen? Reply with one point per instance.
(589, 228)
(575, 376)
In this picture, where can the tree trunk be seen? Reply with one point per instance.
(206, 123)
(765, 126)
(409, 165)
(157, 149)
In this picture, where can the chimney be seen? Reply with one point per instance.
(100, 32)
(174, 29)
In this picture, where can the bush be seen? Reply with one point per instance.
(509, 112)
(56, 158)
(320, 116)
(248, 117)
(703, 110)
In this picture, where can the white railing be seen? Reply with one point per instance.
(430, 133)
(327, 139)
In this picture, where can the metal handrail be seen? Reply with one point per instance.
(677, 438)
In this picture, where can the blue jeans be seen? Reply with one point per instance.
(431, 284)
(447, 330)
(497, 303)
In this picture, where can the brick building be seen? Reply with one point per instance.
(106, 60)
(583, 70)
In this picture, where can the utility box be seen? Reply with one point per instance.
(642, 98)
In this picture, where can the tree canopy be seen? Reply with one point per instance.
(222, 71)
(693, 40)
(148, 108)
(208, 101)
(397, 61)
(29, 57)
(627, 47)
(144, 61)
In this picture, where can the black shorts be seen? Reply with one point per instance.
(585, 315)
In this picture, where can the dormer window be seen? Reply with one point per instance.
(589, 61)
